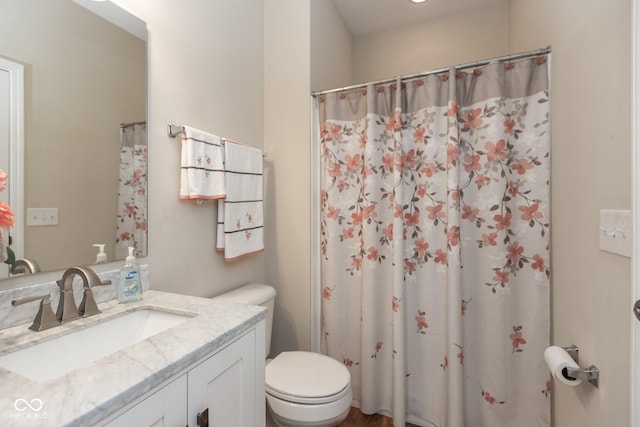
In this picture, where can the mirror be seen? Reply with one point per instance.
(85, 93)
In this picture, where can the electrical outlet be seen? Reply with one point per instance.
(616, 234)
(42, 216)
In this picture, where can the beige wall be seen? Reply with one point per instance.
(331, 47)
(205, 70)
(591, 160)
(83, 78)
(465, 36)
(287, 134)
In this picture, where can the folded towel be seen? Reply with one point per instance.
(201, 167)
(240, 219)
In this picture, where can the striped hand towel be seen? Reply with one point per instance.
(240, 219)
(201, 167)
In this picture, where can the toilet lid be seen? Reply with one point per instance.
(306, 375)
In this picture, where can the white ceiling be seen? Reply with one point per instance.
(370, 16)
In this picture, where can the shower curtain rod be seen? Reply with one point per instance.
(522, 55)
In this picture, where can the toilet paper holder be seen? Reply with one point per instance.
(590, 374)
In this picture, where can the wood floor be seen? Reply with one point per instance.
(358, 419)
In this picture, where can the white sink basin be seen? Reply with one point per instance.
(54, 358)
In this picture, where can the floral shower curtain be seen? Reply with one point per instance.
(132, 194)
(435, 245)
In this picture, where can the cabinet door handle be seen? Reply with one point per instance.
(203, 418)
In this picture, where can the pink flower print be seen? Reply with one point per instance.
(513, 189)
(429, 169)
(547, 389)
(489, 239)
(347, 233)
(421, 191)
(363, 140)
(454, 235)
(209, 160)
(353, 162)
(472, 163)
(502, 221)
(366, 172)
(509, 124)
(452, 153)
(356, 262)
(369, 212)
(388, 232)
(395, 304)
(412, 218)
(441, 257)
(516, 339)
(199, 160)
(409, 266)
(247, 234)
(421, 322)
(388, 161)
(461, 357)
(495, 151)
(141, 225)
(418, 136)
(488, 397)
(538, 263)
(530, 212)
(398, 211)
(123, 236)
(395, 122)
(472, 118)
(444, 365)
(357, 218)
(481, 181)
(469, 213)
(333, 213)
(455, 195)
(501, 277)
(342, 185)
(334, 132)
(436, 212)
(323, 196)
(521, 166)
(464, 306)
(373, 254)
(378, 347)
(3, 180)
(333, 169)
(238, 224)
(453, 109)
(514, 251)
(421, 247)
(349, 363)
(249, 217)
(326, 293)
(408, 159)
(129, 210)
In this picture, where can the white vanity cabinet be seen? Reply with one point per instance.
(228, 384)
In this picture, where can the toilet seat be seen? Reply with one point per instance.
(307, 378)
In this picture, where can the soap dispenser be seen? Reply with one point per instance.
(129, 288)
(101, 257)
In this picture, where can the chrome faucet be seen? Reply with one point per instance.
(67, 306)
(25, 266)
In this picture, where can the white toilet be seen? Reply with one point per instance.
(303, 389)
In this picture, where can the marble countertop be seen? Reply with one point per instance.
(87, 395)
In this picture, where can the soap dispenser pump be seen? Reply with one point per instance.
(101, 257)
(129, 288)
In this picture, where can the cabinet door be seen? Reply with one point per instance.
(225, 384)
(165, 408)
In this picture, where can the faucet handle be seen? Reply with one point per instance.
(45, 318)
(88, 306)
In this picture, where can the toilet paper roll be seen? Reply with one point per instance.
(557, 360)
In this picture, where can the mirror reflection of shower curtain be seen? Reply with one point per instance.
(132, 192)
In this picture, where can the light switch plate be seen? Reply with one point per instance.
(42, 216)
(616, 234)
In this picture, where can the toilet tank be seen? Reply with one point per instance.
(255, 294)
